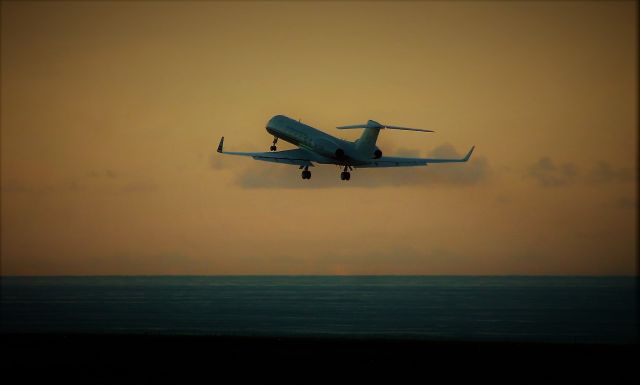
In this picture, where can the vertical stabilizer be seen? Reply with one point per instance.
(367, 141)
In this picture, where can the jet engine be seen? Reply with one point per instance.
(328, 148)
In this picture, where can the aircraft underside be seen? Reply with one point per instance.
(306, 173)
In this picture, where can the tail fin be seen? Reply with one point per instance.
(367, 141)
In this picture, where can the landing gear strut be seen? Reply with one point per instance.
(306, 174)
(273, 145)
(345, 175)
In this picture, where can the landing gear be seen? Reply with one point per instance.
(273, 145)
(306, 174)
(345, 175)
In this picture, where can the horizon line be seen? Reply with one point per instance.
(632, 275)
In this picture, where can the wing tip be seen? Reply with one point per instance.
(220, 144)
(466, 158)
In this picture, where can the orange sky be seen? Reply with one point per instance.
(111, 112)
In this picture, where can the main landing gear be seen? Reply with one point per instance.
(306, 174)
(345, 175)
(273, 145)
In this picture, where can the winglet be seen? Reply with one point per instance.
(466, 158)
(220, 145)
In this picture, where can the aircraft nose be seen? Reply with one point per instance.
(272, 124)
(269, 123)
(272, 121)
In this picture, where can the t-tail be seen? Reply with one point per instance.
(367, 141)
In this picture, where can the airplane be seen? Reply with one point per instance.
(315, 146)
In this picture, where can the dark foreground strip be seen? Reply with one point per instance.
(147, 358)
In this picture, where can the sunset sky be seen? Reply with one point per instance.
(111, 113)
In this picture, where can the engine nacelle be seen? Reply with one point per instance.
(328, 149)
(377, 154)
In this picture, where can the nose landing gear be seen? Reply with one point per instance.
(273, 145)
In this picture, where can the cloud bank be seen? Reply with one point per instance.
(549, 173)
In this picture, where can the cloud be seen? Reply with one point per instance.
(218, 161)
(603, 172)
(102, 174)
(548, 173)
(407, 152)
(109, 181)
(13, 185)
(624, 203)
(26, 186)
(103, 181)
(142, 263)
(503, 199)
(137, 263)
(139, 186)
(267, 175)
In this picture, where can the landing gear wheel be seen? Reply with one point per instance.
(345, 175)
(273, 145)
(273, 148)
(306, 174)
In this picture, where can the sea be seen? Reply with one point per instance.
(557, 309)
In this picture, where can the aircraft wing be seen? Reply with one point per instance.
(392, 161)
(298, 156)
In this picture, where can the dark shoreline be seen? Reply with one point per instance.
(166, 354)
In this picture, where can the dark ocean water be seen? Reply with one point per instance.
(544, 309)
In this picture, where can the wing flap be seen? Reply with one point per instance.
(297, 157)
(391, 161)
(285, 159)
(388, 161)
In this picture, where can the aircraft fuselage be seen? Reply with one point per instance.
(330, 148)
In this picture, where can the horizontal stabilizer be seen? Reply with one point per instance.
(374, 124)
(407, 129)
